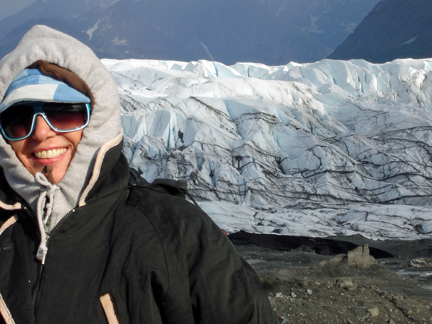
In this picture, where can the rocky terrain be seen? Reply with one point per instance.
(306, 287)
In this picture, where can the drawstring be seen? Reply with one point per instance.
(44, 209)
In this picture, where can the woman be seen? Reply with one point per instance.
(77, 243)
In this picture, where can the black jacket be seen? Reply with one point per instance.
(130, 255)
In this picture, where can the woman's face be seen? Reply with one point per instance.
(47, 147)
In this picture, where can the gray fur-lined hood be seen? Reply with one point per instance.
(103, 132)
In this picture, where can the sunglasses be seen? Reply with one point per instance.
(18, 121)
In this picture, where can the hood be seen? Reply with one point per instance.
(42, 43)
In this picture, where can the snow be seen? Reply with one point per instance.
(318, 149)
(92, 30)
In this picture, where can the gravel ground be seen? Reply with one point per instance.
(307, 287)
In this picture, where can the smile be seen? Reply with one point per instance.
(50, 154)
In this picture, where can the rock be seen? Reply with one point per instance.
(420, 263)
(309, 292)
(360, 258)
(293, 295)
(346, 283)
(374, 312)
(337, 259)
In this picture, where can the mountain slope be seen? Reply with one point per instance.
(10, 41)
(60, 10)
(58, 14)
(330, 21)
(393, 29)
(270, 31)
(8, 8)
(223, 30)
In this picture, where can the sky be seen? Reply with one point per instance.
(10, 7)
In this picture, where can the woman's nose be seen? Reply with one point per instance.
(42, 130)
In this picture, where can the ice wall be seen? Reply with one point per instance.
(299, 148)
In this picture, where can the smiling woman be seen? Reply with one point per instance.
(84, 245)
(43, 119)
(47, 147)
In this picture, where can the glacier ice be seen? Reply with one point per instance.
(317, 149)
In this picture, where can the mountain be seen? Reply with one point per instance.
(8, 8)
(330, 21)
(225, 30)
(229, 30)
(393, 29)
(60, 10)
(53, 13)
(266, 31)
(321, 149)
(10, 41)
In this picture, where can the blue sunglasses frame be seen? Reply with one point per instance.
(38, 111)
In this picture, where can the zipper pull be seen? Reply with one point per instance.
(41, 253)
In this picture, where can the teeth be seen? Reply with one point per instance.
(49, 154)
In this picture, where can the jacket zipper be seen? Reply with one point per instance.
(37, 285)
(61, 221)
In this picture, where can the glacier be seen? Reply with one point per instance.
(317, 149)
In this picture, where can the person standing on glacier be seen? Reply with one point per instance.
(78, 242)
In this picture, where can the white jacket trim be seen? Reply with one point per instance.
(4, 311)
(10, 207)
(8, 223)
(98, 164)
(108, 307)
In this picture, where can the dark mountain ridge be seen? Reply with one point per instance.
(393, 29)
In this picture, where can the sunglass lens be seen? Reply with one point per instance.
(17, 122)
(66, 116)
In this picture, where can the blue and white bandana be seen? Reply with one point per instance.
(32, 85)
